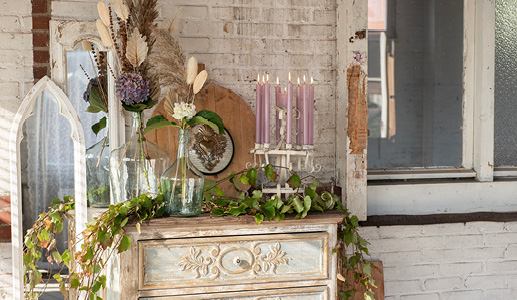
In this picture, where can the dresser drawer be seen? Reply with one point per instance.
(307, 293)
(226, 260)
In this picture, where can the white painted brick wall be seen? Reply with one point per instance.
(237, 39)
(473, 261)
(15, 81)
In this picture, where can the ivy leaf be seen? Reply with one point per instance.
(96, 287)
(99, 125)
(218, 192)
(354, 221)
(268, 210)
(57, 257)
(75, 282)
(306, 206)
(257, 194)
(236, 185)
(213, 118)
(239, 210)
(294, 181)
(156, 122)
(298, 204)
(259, 218)
(270, 173)
(66, 256)
(251, 202)
(125, 242)
(244, 179)
(252, 176)
(367, 268)
(102, 280)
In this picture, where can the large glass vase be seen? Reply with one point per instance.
(182, 183)
(136, 167)
(97, 174)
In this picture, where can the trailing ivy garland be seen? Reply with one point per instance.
(105, 234)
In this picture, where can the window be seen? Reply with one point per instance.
(459, 179)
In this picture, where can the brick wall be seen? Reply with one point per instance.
(238, 39)
(462, 261)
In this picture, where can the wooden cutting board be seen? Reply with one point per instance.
(238, 120)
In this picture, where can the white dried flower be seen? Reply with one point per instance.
(184, 110)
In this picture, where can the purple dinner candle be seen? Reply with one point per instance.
(277, 92)
(305, 113)
(300, 111)
(311, 112)
(267, 111)
(258, 114)
(288, 138)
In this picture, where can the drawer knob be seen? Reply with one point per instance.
(237, 261)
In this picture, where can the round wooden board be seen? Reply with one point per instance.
(238, 120)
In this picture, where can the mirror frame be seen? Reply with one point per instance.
(26, 110)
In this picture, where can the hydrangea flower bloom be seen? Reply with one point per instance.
(132, 88)
(184, 110)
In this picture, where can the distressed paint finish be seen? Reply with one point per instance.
(230, 255)
(25, 111)
(229, 260)
(310, 293)
(351, 92)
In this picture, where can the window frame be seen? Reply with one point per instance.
(430, 190)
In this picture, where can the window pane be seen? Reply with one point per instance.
(505, 120)
(415, 85)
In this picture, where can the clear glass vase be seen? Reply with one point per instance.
(97, 174)
(136, 167)
(182, 183)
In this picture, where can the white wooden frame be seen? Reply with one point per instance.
(481, 194)
(25, 111)
(64, 37)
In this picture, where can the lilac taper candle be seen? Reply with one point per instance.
(277, 92)
(258, 114)
(305, 112)
(267, 111)
(299, 126)
(311, 112)
(289, 137)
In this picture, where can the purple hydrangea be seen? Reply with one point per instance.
(93, 82)
(132, 88)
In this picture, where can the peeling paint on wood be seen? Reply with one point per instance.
(357, 130)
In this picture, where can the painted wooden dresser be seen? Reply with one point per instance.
(231, 258)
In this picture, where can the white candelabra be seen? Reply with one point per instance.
(285, 157)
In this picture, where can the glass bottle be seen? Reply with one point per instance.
(136, 167)
(97, 174)
(182, 183)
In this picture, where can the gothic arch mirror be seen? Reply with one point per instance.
(44, 87)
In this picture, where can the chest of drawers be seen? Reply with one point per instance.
(230, 258)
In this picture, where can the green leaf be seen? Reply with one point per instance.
(57, 257)
(285, 209)
(99, 125)
(310, 192)
(200, 120)
(28, 242)
(66, 256)
(239, 210)
(102, 280)
(252, 176)
(96, 287)
(251, 202)
(306, 206)
(75, 282)
(354, 221)
(268, 210)
(257, 194)
(244, 179)
(294, 181)
(314, 184)
(259, 218)
(96, 104)
(139, 106)
(367, 268)
(218, 192)
(298, 204)
(55, 202)
(56, 216)
(213, 118)
(125, 242)
(156, 122)
(270, 173)
(124, 222)
(236, 185)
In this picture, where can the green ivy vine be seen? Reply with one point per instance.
(105, 235)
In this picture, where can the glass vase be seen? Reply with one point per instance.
(182, 183)
(97, 174)
(136, 167)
